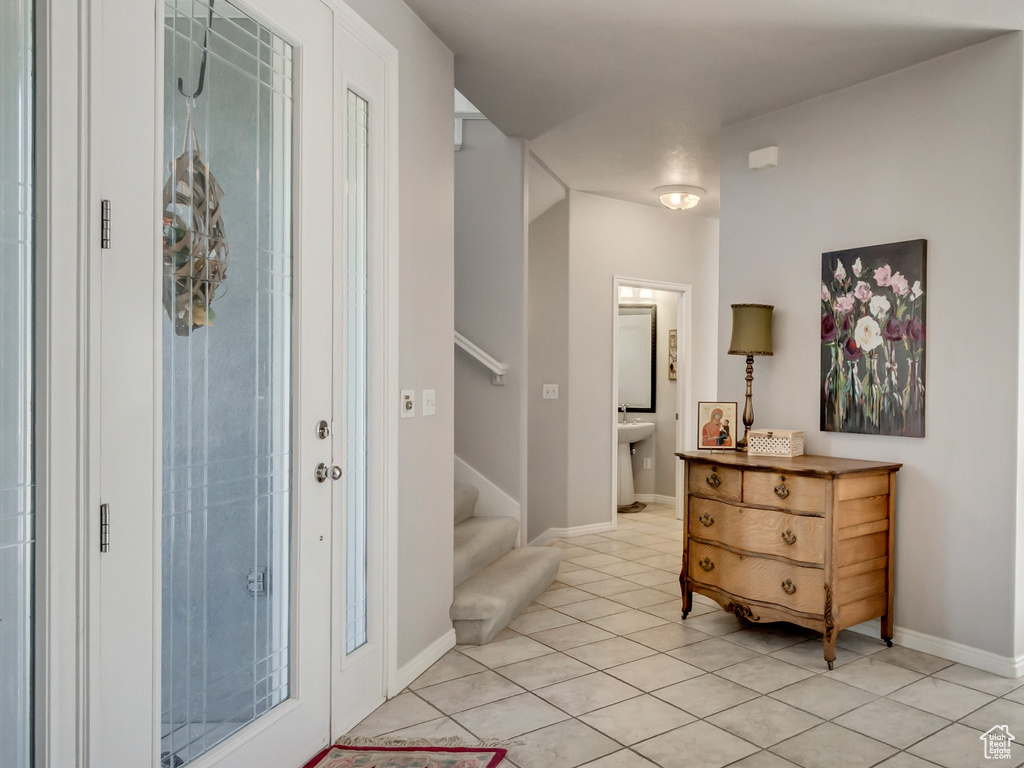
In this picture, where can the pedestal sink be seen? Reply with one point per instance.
(629, 432)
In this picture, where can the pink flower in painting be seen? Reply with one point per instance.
(825, 295)
(858, 267)
(899, 285)
(840, 271)
(867, 333)
(844, 304)
(914, 330)
(862, 292)
(883, 275)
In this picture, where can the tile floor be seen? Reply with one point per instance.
(602, 672)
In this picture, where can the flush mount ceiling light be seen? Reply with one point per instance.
(679, 197)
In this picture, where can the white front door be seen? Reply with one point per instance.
(211, 366)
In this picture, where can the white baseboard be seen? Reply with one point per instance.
(568, 533)
(422, 662)
(493, 501)
(1006, 666)
(655, 498)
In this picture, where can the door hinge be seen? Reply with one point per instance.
(105, 224)
(104, 527)
(258, 580)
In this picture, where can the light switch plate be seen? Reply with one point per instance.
(428, 402)
(550, 391)
(408, 403)
(647, 463)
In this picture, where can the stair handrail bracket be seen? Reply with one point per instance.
(498, 370)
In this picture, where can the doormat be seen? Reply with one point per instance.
(636, 506)
(337, 756)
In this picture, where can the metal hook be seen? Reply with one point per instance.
(202, 64)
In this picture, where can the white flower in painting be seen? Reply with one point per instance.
(880, 306)
(867, 334)
(916, 292)
(825, 295)
(858, 267)
(840, 271)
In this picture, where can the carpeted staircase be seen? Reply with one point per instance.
(493, 580)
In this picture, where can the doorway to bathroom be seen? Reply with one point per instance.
(652, 392)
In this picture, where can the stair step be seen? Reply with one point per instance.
(488, 600)
(479, 541)
(465, 501)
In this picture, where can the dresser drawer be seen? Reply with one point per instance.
(716, 481)
(772, 489)
(758, 578)
(798, 537)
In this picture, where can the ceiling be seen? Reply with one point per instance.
(619, 96)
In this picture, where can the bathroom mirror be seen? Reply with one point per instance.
(638, 338)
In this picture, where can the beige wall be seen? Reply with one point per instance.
(426, 280)
(548, 444)
(490, 271)
(931, 152)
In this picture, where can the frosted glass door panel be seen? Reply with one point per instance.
(17, 522)
(227, 376)
(356, 502)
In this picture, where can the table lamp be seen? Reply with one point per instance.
(751, 335)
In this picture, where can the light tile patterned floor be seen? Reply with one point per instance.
(602, 672)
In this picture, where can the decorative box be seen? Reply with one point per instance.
(775, 442)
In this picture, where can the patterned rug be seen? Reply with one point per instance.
(338, 756)
(636, 506)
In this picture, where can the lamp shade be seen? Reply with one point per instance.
(751, 329)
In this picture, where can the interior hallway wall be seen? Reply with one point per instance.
(548, 443)
(933, 151)
(608, 238)
(490, 269)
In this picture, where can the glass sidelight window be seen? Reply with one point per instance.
(356, 385)
(227, 373)
(17, 489)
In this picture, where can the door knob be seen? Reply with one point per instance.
(324, 472)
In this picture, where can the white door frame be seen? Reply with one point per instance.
(63, 230)
(685, 402)
(382, 358)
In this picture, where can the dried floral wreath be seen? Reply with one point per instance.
(195, 250)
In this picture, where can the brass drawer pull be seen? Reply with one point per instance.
(788, 587)
(781, 490)
(713, 479)
(789, 537)
(707, 520)
(706, 564)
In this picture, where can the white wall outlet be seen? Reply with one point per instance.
(428, 402)
(550, 391)
(647, 463)
(408, 403)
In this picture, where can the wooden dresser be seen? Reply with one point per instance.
(808, 540)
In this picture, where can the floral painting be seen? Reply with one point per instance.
(873, 339)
